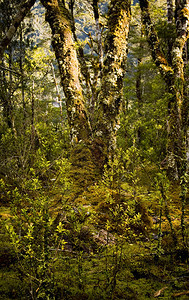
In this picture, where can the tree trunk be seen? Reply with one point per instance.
(59, 20)
(98, 33)
(110, 96)
(139, 100)
(113, 71)
(170, 13)
(6, 91)
(22, 75)
(139, 95)
(80, 53)
(88, 156)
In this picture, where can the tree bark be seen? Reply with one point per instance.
(6, 97)
(59, 20)
(112, 74)
(110, 96)
(80, 53)
(139, 99)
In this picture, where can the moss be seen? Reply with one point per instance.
(110, 96)
(83, 171)
(60, 22)
(142, 209)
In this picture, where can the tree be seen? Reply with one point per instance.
(143, 120)
(172, 70)
(109, 101)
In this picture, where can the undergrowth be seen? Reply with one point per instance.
(119, 238)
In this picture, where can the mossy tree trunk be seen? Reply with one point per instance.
(170, 21)
(98, 33)
(99, 137)
(59, 20)
(113, 71)
(114, 67)
(173, 74)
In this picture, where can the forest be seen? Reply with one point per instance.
(94, 149)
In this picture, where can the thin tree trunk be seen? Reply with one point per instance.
(98, 33)
(139, 100)
(9, 96)
(22, 75)
(170, 15)
(59, 100)
(6, 99)
(139, 89)
(23, 11)
(32, 115)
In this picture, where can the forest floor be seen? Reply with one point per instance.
(100, 264)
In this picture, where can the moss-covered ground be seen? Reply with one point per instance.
(115, 269)
(118, 245)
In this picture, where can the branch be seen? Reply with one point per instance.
(23, 11)
(10, 70)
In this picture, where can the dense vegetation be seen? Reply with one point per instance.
(93, 150)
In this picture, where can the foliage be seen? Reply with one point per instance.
(78, 222)
(35, 236)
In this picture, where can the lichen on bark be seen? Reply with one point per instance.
(110, 96)
(62, 40)
(109, 101)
